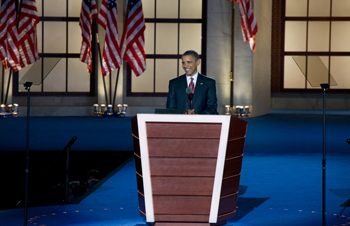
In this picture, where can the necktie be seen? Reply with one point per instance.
(192, 85)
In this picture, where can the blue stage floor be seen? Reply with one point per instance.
(281, 182)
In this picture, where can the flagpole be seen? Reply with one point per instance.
(2, 84)
(115, 88)
(2, 78)
(103, 77)
(8, 85)
(110, 87)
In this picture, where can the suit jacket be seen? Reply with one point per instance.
(204, 98)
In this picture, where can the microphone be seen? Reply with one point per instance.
(189, 92)
(348, 140)
(190, 95)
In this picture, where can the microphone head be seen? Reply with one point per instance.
(188, 90)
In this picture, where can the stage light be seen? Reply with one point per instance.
(9, 107)
(125, 106)
(246, 108)
(119, 109)
(109, 109)
(103, 108)
(237, 110)
(241, 111)
(3, 110)
(15, 110)
(227, 109)
(96, 109)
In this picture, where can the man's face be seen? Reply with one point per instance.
(189, 64)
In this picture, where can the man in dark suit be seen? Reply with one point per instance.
(192, 91)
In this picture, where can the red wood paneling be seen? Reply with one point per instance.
(139, 180)
(186, 205)
(181, 218)
(228, 204)
(138, 165)
(238, 128)
(183, 130)
(226, 216)
(134, 126)
(182, 167)
(230, 185)
(181, 224)
(232, 167)
(142, 203)
(136, 143)
(205, 148)
(235, 147)
(182, 185)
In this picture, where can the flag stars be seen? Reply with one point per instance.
(111, 4)
(88, 3)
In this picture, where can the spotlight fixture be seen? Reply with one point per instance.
(109, 109)
(103, 109)
(9, 107)
(237, 111)
(3, 110)
(246, 108)
(227, 109)
(120, 106)
(241, 111)
(15, 110)
(96, 109)
(125, 106)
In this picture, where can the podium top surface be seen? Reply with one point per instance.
(184, 118)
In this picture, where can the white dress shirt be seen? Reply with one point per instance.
(195, 76)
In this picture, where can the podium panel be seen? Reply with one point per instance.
(188, 167)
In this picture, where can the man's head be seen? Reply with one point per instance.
(190, 61)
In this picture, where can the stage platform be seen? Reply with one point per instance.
(281, 182)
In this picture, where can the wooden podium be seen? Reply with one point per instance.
(188, 167)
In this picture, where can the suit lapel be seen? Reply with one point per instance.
(184, 81)
(198, 88)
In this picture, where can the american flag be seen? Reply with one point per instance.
(8, 35)
(133, 39)
(108, 19)
(87, 14)
(27, 33)
(249, 26)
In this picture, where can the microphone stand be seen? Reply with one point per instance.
(189, 99)
(27, 85)
(325, 88)
(67, 150)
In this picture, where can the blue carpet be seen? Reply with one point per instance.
(53, 133)
(281, 182)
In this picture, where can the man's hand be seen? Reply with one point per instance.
(190, 112)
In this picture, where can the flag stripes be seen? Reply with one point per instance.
(108, 19)
(8, 35)
(133, 38)
(87, 14)
(27, 33)
(248, 22)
